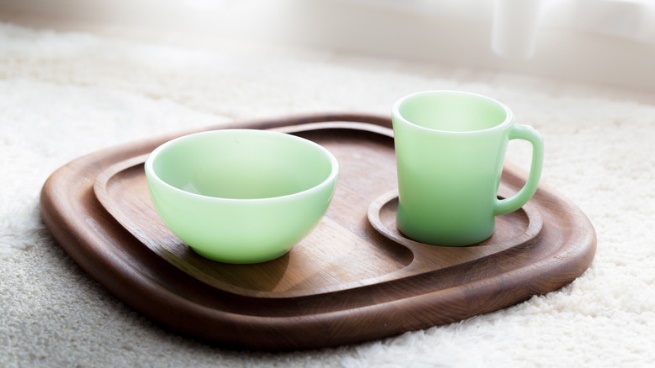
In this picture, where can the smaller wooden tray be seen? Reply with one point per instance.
(354, 278)
(517, 229)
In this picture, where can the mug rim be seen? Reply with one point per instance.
(509, 116)
(150, 171)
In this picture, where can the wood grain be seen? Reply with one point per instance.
(345, 283)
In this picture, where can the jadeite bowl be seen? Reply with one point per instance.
(241, 195)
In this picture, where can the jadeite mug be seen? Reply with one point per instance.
(241, 195)
(450, 148)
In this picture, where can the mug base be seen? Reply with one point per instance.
(446, 242)
(443, 235)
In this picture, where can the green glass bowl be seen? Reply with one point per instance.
(241, 195)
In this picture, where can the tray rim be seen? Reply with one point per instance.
(119, 267)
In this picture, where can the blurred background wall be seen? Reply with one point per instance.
(610, 42)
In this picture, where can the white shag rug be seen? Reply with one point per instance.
(63, 95)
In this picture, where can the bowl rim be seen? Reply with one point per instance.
(152, 177)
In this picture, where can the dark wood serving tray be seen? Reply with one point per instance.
(354, 278)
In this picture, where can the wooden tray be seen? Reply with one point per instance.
(354, 278)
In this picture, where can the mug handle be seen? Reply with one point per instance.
(515, 202)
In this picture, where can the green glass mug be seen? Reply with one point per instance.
(450, 148)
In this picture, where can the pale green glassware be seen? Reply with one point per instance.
(241, 195)
(450, 147)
